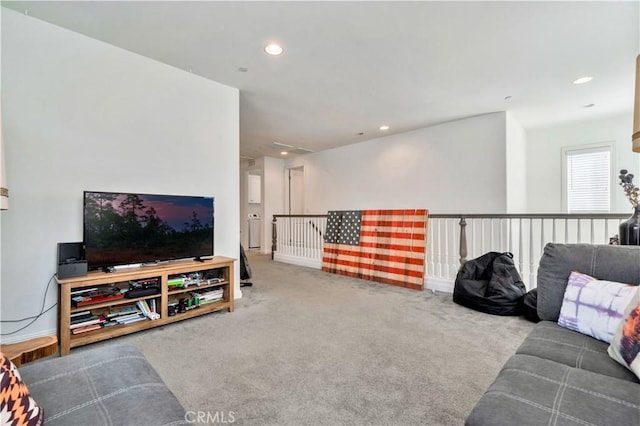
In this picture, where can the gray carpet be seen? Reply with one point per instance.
(305, 347)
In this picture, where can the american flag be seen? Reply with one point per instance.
(387, 246)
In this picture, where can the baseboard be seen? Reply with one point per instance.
(439, 284)
(309, 263)
(21, 337)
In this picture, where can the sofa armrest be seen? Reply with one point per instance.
(110, 385)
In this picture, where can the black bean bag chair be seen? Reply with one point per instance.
(491, 284)
(530, 305)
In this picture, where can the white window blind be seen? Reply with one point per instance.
(588, 174)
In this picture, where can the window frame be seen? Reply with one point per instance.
(585, 148)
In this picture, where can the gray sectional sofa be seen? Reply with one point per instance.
(110, 385)
(559, 376)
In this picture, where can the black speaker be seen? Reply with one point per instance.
(71, 261)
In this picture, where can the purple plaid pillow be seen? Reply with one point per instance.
(594, 307)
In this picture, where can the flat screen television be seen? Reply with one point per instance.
(123, 228)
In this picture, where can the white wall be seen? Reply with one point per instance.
(544, 159)
(516, 167)
(79, 115)
(450, 168)
(273, 190)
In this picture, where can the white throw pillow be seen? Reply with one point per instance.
(625, 345)
(594, 307)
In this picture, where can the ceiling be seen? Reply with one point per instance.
(350, 67)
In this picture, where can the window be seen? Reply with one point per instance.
(587, 179)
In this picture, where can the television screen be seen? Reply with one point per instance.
(122, 229)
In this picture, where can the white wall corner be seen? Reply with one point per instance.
(516, 165)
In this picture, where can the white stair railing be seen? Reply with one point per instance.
(454, 238)
(298, 239)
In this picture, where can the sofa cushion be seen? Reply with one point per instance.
(625, 345)
(112, 385)
(605, 262)
(594, 307)
(535, 391)
(550, 341)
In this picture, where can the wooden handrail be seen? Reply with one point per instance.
(532, 216)
(299, 215)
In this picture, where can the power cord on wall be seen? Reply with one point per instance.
(33, 318)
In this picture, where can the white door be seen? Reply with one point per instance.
(296, 190)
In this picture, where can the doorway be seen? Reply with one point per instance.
(296, 190)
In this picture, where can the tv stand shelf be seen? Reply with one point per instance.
(221, 266)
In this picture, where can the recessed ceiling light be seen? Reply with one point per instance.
(273, 49)
(283, 153)
(582, 80)
(385, 127)
(588, 106)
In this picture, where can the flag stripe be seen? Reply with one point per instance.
(393, 223)
(387, 213)
(396, 268)
(378, 267)
(399, 235)
(418, 260)
(398, 247)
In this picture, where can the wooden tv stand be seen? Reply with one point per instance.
(219, 266)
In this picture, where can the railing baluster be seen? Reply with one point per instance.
(431, 265)
(520, 243)
(579, 232)
(439, 250)
(463, 241)
(482, 236)
(446, 247)
(510, 235)
(472, 252)
(530, 250)
(491, 222)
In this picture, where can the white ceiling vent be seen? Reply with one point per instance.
(290, 149)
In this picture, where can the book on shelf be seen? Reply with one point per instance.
(130, 319)
(208, 301)
(146, 311)
(95, 319)
(86, 328)
(115, 311)
(99, 319)
(83, 290)
(96, 296)
(80, 315)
